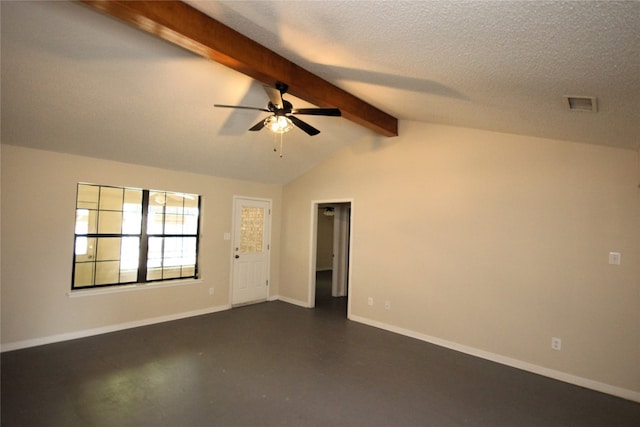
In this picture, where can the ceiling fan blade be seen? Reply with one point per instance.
(240, 107)
(257, 126)
(310, 130)
(335, 112)
(274, 96)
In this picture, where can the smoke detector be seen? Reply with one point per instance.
(587, 104)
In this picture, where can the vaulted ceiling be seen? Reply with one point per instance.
(75, 80)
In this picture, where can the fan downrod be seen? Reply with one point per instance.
(282, 87)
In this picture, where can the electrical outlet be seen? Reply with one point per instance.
(211, 291)
(387, 305)
(556, 343)
(370, 300)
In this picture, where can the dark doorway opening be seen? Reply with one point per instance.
(332, 256)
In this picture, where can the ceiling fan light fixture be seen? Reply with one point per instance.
(278, 124)
(329, 211)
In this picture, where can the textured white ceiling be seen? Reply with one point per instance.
(76, 81)
(498, 65)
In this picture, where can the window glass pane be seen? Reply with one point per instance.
(128, 276)
(83, 275)
(132, 200)
(172, 223)
(191, 204)
(171, 272)
(111, 198)
(110, 222)
(129, 254)
(179, 252)
(155, 220)
(81, 247)
(108, 249)
(85, 249)
(175, 202)
(131, 222)
(154, 257)
(190, 224)
(107, 272)
(189, 271)
(189, 251)
(82, 221)
(92, 226)
(87, 196)
(154, 274)
(86, 221)
(172, 251)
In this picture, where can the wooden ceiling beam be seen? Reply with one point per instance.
(191, 29)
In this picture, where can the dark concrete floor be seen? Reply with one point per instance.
(275, 364)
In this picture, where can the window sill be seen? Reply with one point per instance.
(132, 287)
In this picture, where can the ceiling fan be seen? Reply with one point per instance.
(283, 117)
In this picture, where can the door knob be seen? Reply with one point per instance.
(237, 256)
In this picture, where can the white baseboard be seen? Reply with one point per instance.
(293, 301)
(106, 329)
(514, 363)
(525, 366)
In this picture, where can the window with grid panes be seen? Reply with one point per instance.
(129, 235)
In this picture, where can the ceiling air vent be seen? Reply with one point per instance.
(581, 103)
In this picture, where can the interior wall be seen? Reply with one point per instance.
(38, 214)
(324, 252)
(494, 242)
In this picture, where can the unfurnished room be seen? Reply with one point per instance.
(320, 213)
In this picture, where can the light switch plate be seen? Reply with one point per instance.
(614, 258)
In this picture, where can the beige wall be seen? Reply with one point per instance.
(490, 241)
(38, 208)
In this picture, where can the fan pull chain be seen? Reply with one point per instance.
(281, 137)
(275, 144)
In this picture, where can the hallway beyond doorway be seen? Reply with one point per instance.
(324, 299)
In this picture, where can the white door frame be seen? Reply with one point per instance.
(311, 299)
(233, 240)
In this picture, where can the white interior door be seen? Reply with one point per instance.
(251, 241)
